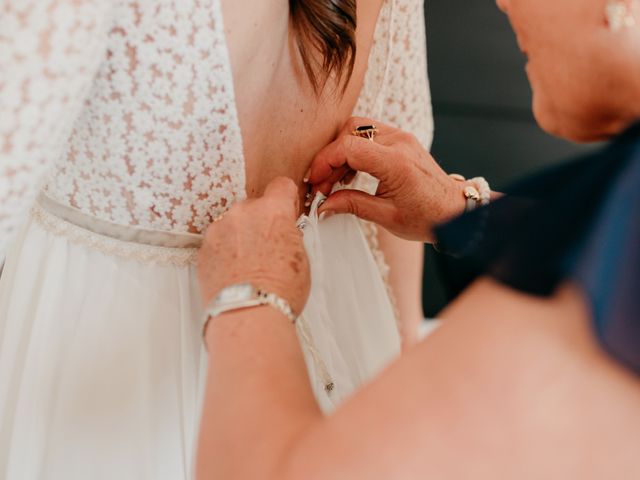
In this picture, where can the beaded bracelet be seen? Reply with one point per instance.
(477, 194)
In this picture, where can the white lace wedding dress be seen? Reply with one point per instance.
(119, 143)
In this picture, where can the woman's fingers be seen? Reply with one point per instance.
(284, 192)
(360, 204)
(335, 155)
(349, 151)
(340, 174)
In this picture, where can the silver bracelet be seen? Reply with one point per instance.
(476, 194)
(245, 295)
(279, 304)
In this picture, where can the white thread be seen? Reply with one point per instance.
(321, 367)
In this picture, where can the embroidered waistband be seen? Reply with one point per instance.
(129, 242)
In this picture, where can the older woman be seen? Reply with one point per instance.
(537, 361)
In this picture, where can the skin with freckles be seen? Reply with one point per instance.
(257, 242)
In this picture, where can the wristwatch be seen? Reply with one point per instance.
(246, 295)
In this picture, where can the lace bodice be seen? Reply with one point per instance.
(125, 109)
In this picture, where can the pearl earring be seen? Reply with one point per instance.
(620, 14)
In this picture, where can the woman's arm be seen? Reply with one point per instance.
(521, 391)
(258, 400)
(258, 396)
(405, 260)
(49, 52)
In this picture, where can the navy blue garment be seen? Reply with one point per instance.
(580, 222)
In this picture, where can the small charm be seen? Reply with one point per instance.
(329, 387)
(620, 14)
(471, 193)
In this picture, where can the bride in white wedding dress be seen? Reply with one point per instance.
(127, 127)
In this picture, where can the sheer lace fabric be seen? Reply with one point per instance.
(49, 52)
(125, 110)
(396, 88)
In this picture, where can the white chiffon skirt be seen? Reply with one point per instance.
(101, 357)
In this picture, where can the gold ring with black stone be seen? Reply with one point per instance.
(366, 131)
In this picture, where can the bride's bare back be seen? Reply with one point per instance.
(282, 119)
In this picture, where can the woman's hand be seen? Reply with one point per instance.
(257, 242)
(414, 194)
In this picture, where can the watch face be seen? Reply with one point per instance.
(236, 293)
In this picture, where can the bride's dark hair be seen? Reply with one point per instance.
(329, 27)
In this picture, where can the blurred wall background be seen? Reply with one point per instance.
(482, 107)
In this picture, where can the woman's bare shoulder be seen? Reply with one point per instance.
(533, 379)
(533, 332)
(495, 391)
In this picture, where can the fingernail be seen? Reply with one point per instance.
(326, 214)
(321, 198)
(305, 179)
(307, 203)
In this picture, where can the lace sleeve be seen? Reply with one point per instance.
(407, 100)
(49, 52)
(396, 89)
